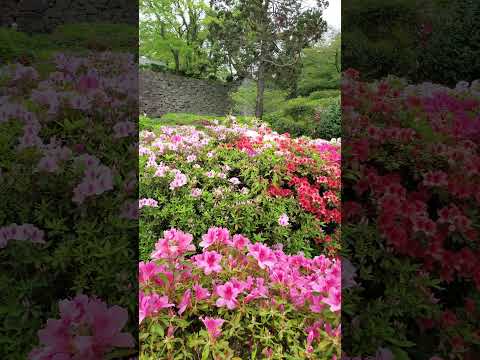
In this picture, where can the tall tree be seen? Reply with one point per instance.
(175, 31)
(266, 37)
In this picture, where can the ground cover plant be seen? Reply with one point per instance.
(411, 221)
(239, 232)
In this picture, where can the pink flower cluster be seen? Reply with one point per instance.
(87, 329)
(124, 128)
(24, 232)
(174, 243)
(179, 180)
(97, 179)
(52, 156)
(147, 202)
(233, 275)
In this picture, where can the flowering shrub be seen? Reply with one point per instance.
(87, 329)
(411, 178)
(236, 299)
(68, 168)
(272, 188)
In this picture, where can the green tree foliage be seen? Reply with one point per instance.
(379, 37)
(450, 42)
(266, 37)
(321, 67)
(175, 31)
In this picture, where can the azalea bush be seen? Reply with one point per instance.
(272, 188)
(67, 171)
(236, 300)
(234, 202)
(411, 220)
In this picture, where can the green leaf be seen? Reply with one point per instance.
(400, 354)
(158, 330)
(206, 352)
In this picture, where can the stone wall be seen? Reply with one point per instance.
(46, 15)
(161, 93)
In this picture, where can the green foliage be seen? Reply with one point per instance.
(14, 44)
(244, 98)
(317, 118)
(300, 107)
(152, 124)
(175, 32)
(78, 38)
(99, 36)
(320, 68)
(322, 94)
(261, 327)
(379, 37)
(328, 124)
(451, 51)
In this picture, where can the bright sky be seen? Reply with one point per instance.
(332, 14)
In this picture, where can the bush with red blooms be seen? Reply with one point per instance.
(311, 174)
(411, 174)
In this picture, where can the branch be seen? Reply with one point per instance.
(282, 65)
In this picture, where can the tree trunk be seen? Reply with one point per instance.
(260, 90)
(177, 60)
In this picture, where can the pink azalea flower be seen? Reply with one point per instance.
(196, 192)
(283, 220)
(87, 329)
(260, 291)
(215, 235)
(201, 293)
(106, 324)
(213, 326)
(239, 242)
(185, 302)
(227, 295)
(151, 304)
(147, 202)
(147, 271)
(209, 262)
(263, 255)
(316, 306)
(179, 181)
(334, 299)
(173, 244)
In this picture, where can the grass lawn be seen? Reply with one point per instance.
(147, 123)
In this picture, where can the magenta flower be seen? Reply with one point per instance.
(173, 244)
(213, 326)
(239, 242)
(185, 302)
(147, 271)
(87, 329)
(316, 306)
(215, 235)
(209, 262)
(334, 299)
(151, 304)
(227, 295)
(201, 293)
(263, 254)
